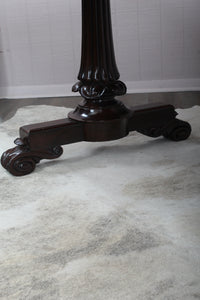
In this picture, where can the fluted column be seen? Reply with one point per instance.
(98, 75)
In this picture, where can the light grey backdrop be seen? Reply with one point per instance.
(157, 45)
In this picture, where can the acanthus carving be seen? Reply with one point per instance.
(100, 90)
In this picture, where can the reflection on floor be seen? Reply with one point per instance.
(8, 107)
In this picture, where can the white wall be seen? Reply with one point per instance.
(157, 45)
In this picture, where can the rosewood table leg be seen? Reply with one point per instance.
(99, 117)
(40, 141)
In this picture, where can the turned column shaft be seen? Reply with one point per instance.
(98, 73)
(98, 58)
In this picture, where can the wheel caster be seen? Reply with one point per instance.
(177, 130)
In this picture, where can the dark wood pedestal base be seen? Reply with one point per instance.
(100, 117)
(44, 140)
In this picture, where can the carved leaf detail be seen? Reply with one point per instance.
(99, 90)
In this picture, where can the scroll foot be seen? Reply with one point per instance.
(177, 130)
(20, 161)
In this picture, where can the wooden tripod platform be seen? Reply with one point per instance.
(99, 117)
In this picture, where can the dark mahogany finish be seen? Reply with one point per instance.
(99, 117)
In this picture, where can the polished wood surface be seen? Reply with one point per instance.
(99, 117)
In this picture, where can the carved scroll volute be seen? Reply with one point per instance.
(98, 75)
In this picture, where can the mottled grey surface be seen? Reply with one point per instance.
(113, 220)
